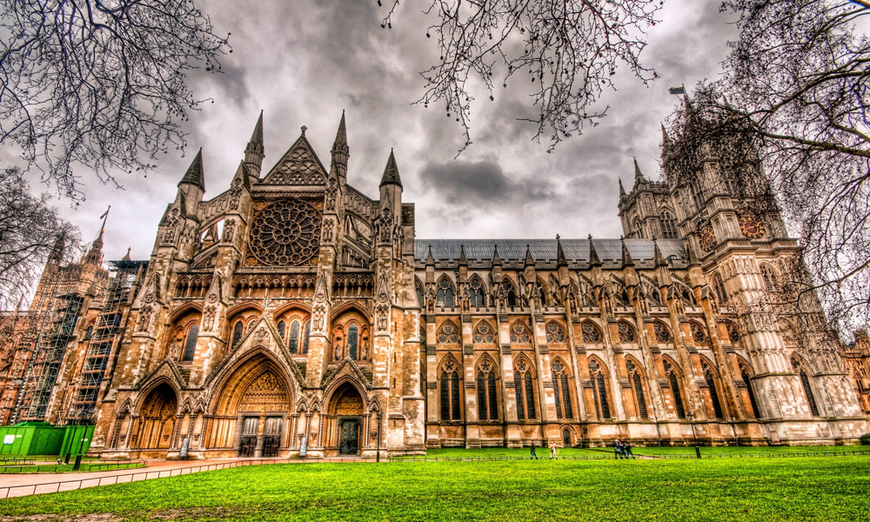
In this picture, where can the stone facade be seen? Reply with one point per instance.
(293, 312)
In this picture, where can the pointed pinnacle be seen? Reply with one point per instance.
(429, 259)
(462, 260)
(666, 140)
(127, 255)
(496, 259)
(194, 174)
(391, 172)
(594, 260)
(341, 134)
(257, 135)
(621, 188)
(638, 176)
(530, 259)
(627, 260)
(561, 259)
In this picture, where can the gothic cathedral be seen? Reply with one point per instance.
(293, 313)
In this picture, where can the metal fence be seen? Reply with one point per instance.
(72, 485)
(31, 466)
(611, 456)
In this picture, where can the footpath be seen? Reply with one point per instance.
(20, 485)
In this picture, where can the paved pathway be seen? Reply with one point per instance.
(19, 485)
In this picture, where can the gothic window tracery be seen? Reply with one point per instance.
(293, 343)
(770, 280)
(444, 296)
(591, 333)
(669, 229)
(635, 377)
(486, 391)
(520, 334)
(450, 403)
(448, 334)
(599, 386)
(663, 335)
(484, 333)
(733, 332)
(476, 296)
(674, 381)
(282, 328)
(562, 391)
(719, 288)
(555, 333)
(510, 294)
(525, 391)
(807, 385)
(285, 233)
(626, 333)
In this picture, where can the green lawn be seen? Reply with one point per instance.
(812, 488)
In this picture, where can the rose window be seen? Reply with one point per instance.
(286, 233)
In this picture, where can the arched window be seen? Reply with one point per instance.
(293, 344)
(674, 380)
(770, 280)
(476, 297)
(562, 391)
(282, 329)
(744, 373)
(89, 333)
(444, 296)
(510, 294)
(448, 334)
(733, 332)
(487, 400)
(698, 334)
(555, 334)
(719, 288)
(525, 391)
(483, 333)
(663, 335)
(190, 343)
(808, 389)
(637, 386)
(352, 342)
(305, 337)
(669, 229)
(450, 405)
(697, 194)
(626, 333)
(599, 385)
(520, 334)
(591, 334)
(710, 379)
(238, 331)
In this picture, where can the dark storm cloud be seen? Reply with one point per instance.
(305, 61)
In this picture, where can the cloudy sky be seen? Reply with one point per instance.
(303, 62)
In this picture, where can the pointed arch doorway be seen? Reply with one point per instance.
(346, 407)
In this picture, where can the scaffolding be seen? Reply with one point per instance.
(100, 347)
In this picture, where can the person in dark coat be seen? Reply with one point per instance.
(626, 448)
(533, 456)
(617, 449)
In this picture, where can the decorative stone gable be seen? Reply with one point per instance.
(298, 167)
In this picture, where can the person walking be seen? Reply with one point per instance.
(552, 450)
(617, 449)
(533, 456)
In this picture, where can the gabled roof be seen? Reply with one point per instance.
(298, 166)
(194, 174)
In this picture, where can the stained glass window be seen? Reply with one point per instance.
(590, 333)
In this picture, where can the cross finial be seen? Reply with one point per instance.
(304, 128)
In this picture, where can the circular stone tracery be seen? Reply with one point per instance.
(285, 233)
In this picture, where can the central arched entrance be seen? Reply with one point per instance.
(346, 407)
(251, 414)
(157, 418)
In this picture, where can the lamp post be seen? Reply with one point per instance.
(691, 418)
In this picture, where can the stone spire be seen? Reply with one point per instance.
(194, 175)
(340, 150)
(56, 255)
(95, 254)
(429, 259)
(530, 259)
(463, 261)
(391, 172)
(255, 150)
(127, 255)
(594, 260)
(638, 175)
(621, 188)
(496, 259)
(561, 258)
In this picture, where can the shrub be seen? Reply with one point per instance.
(865, 439)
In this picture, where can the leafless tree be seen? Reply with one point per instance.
(101, 83)
(30, 233)
(567, 50)
(793, 104)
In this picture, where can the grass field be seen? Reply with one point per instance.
(811, 488)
